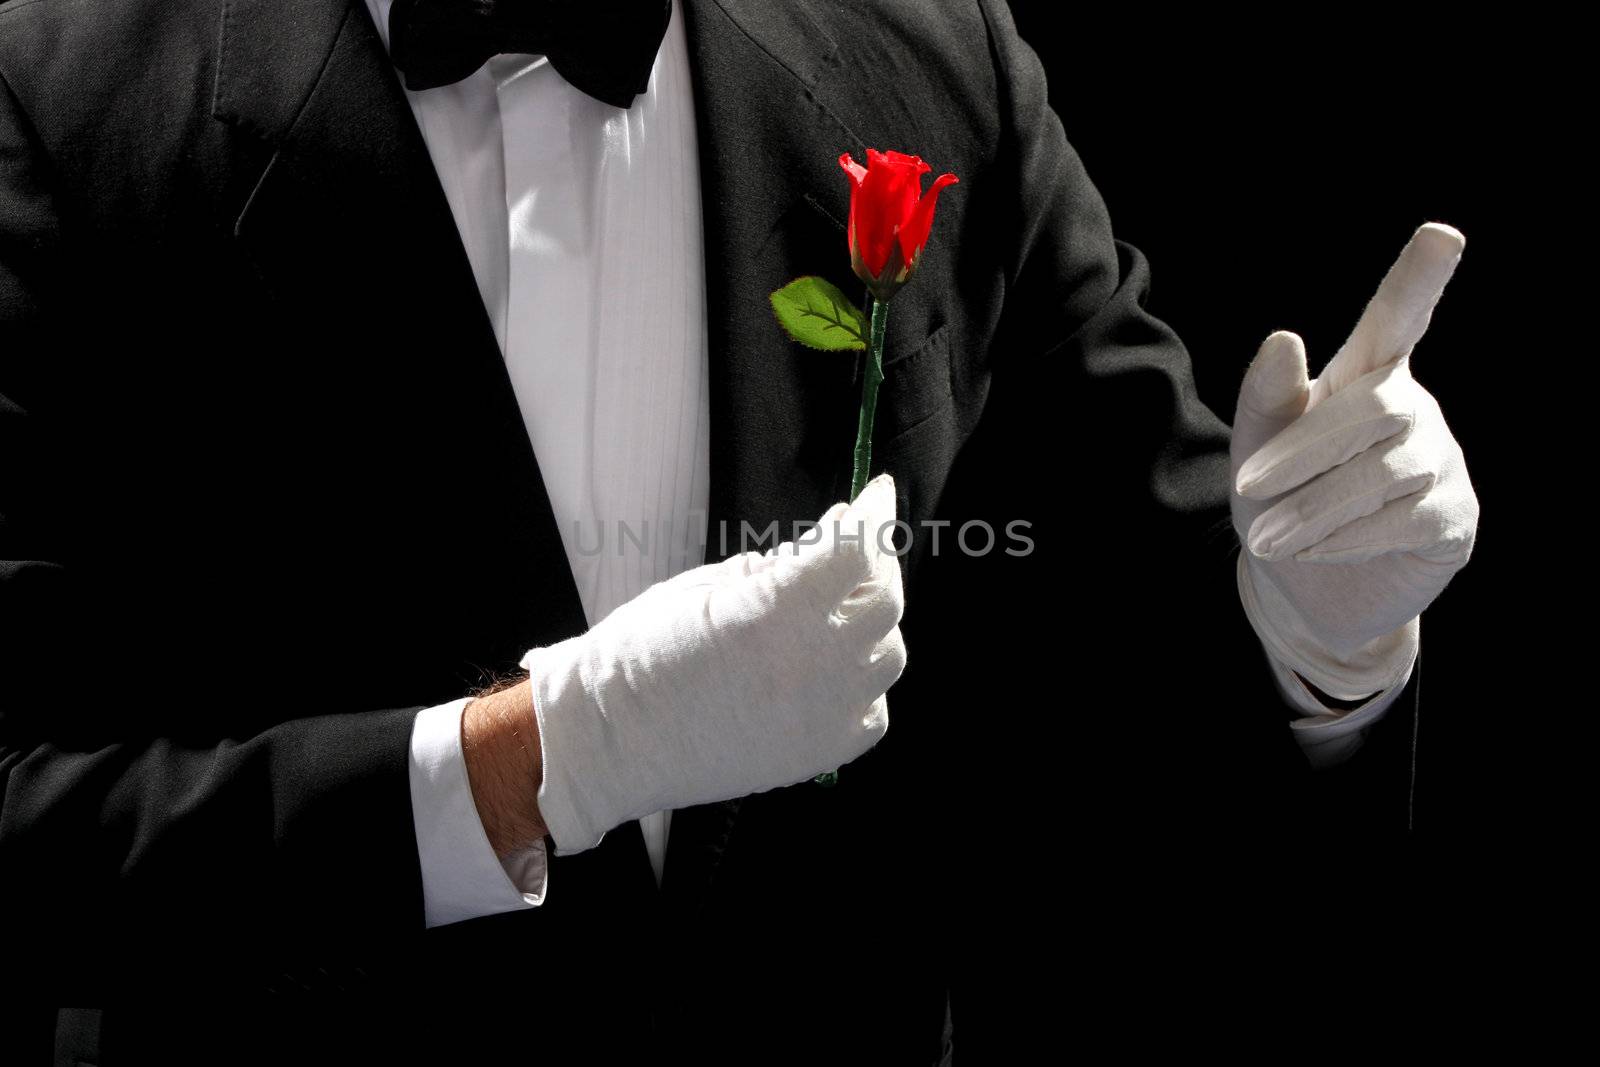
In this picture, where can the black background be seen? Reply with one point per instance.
(1271, 167)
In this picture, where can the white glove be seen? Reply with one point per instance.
(761, 671)
(1351, 495)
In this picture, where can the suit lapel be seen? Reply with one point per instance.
(350, 191)
(778, 453)
(782, 417)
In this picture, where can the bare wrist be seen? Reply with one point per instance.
(500, 739)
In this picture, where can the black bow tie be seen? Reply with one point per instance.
(606, 48)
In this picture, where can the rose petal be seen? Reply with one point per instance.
(902, 159)
(919, 221)
(881, 204)
(852, 168)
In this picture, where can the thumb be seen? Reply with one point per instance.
(850, 548)
(1274, 393)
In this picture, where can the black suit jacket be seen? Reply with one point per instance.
(266, 492)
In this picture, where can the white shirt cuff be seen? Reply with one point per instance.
(462, 878)
(1329, 736)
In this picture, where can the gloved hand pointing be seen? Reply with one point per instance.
(732, 678)
(1351, 495)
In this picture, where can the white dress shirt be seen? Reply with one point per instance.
(582, 223)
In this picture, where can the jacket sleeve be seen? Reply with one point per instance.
(1122, 761)
(122, 848)
(1088, 385)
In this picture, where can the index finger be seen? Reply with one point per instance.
(1398, 314)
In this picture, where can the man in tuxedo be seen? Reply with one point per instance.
(325, 327)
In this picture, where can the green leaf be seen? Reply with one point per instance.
(814, 312)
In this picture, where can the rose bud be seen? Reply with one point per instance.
(890, 217)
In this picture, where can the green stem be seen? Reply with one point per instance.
(869, 399)
(869, 409)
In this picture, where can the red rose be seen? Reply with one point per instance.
(890, 216)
